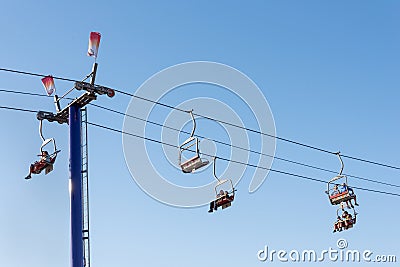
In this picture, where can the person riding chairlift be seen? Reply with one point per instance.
(338, 225)
(348, 219)
(344, 187)
(220, 195)
(335, 190)
(45, 159)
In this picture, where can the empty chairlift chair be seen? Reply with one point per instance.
(191, 145)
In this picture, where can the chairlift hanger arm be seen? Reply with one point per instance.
(337, 177)
(194, 123)
(40, 130)
(196, 162)
(341, 162)
(214, 173)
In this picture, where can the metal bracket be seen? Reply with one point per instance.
(101, 90)
(49, 116)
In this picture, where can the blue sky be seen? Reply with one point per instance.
(329, 71)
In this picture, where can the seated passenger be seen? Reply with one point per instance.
(342, 188)
(213, 204)
(348, 219)
(338, 225)
(351, 193)
(34, 168)
(45, 158)
(335, 190)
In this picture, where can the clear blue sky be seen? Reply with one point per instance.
(330, 73)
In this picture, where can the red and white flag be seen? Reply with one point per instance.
(48, 83)
(94, 42)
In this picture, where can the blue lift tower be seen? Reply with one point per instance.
(75, 115)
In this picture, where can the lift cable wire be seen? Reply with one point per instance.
(18, 109)
(36, 74)
(217, 141)
(22, 93)
(241, 148)
(258, 132)
(228, 123)
(235, 161)
(225, 159)
(220, 121)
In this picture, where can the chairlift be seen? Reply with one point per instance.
(223, 198)
(47, 165)
(47, 160)
(347, 222)
(337, 196)
(196, 162)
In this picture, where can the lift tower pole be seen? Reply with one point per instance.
(75, 185)
(71, 114)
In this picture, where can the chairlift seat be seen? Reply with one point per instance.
(193, 164)
(341, 197)
(227, 205)
(48, 169)
(351, 222)
(349, 225)
(40, 165)
(224, 201)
